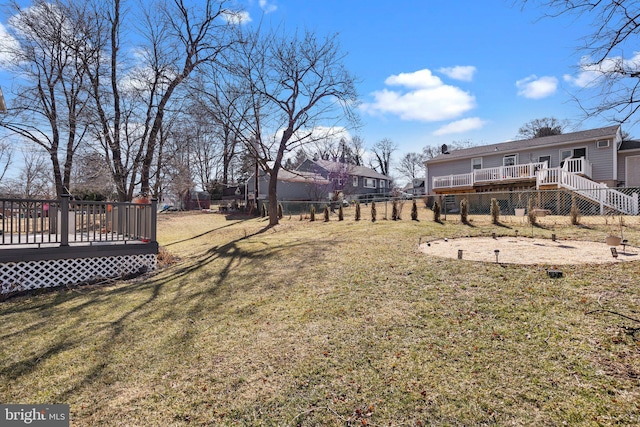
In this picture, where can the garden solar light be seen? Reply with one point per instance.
(497, 251)
(459, 253)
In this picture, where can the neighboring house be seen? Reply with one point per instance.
(350, 179)
(417, 187)
(587, 162)
(293, 186)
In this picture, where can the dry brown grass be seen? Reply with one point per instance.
(338, 323)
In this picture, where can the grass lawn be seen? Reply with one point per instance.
(338, 323)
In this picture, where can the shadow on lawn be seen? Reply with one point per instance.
(80, 328)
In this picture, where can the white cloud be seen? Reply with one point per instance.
(461, 126)
(534, 87)
(233, 17)
(268, 7)
(459, 72)
(418, 79)
(591, 74)
(425, 98)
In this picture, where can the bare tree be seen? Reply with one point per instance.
(91, 176)
(610, 82)
(131, 108)
(538, 128)
(357, 145)
(34, 180)
(49, 107)
(382, 150)
(223, 104)
(411, 165)
(295, 84)
(6, 156)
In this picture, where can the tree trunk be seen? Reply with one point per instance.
(273, 196)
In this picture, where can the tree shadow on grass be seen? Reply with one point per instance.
(80, 327)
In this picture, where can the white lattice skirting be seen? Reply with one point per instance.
(29, 275)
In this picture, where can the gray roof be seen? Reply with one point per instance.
(505, 147)
(352, 169)
(629, 145)
(301, 176)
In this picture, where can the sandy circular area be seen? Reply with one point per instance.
(525, 250)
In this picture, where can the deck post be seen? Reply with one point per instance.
(64, 220)
(154, 218)
(635, 203)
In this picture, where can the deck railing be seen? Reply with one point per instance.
(525, 171)
(65, 222)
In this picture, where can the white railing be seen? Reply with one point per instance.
(462, 180)
(501, 173)
(599, 193)
(580, 166)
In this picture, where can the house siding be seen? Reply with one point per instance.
(602, 160)
(290, 191)
(346, 186)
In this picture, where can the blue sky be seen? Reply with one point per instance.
(437, 71)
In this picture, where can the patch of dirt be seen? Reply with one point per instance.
(526, 250)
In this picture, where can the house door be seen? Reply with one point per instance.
(632, 168)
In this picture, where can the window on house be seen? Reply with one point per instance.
(547, 159)
(476, 163)
(510, 160)
(382, 183)
(602, 144)
(355, 181)
(369, 183)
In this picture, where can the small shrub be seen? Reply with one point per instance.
(312, 214)
(340, 213)
(574, 213)
(165, 258)
(394, 210)
(414, 211)
(373, 212)
(464, 211)
(495, 211)
(531, 213)
(436, 211)
(301, 216)
(280, 211)
(357, 211)
(326, 213)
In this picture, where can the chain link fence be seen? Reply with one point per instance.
(548, 202)
(384, 207)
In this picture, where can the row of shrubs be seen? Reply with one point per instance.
(574, 213)
(396, 211)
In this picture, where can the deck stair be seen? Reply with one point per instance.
(608, 198)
